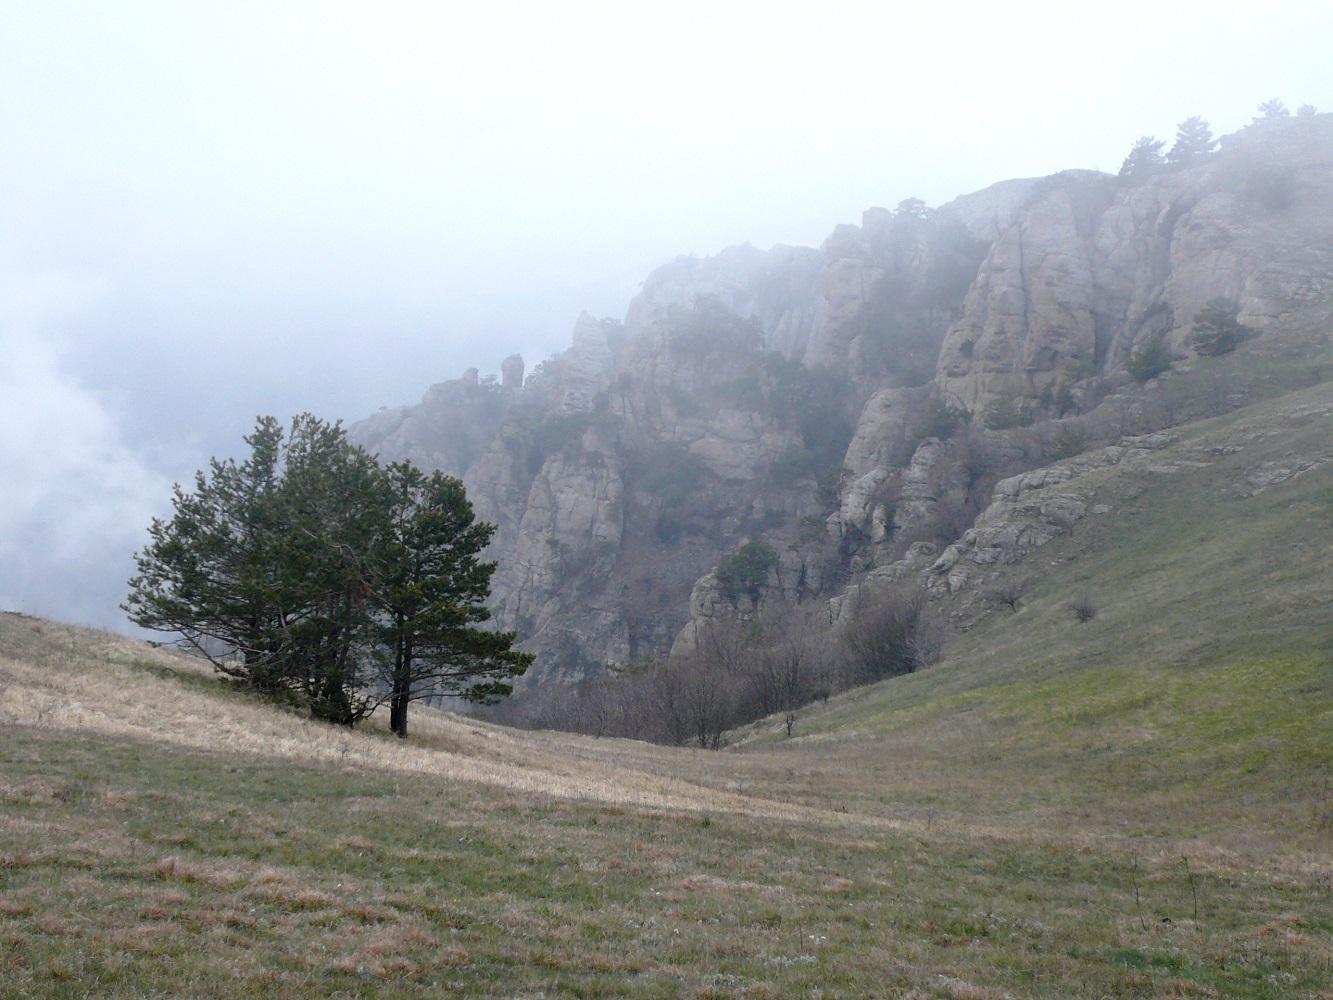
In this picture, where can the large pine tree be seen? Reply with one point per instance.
(429, 588)
(309, 569)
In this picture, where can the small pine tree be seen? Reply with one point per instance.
(1149, 361)
(1217, 328)
(1306, 111)
(1272, 109)
(1070, 440)
(1007, 412)
(911, 208)
(1144, 158)
(1194, 141)
(745, 574)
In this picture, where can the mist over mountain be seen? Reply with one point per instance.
(876, 411)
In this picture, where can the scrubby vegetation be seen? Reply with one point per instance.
(1149, 360)
(1218, 329)
(739, 668)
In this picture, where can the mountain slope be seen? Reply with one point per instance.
(1137, 806)
(1200, 696)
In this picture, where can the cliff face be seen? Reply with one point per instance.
(787, 395)
(625, 468)
(1096, 267)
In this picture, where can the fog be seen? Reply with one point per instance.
(211, 212)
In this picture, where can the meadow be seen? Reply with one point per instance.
(1139, 805)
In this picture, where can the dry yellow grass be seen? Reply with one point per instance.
(475, 860)
(66, 678)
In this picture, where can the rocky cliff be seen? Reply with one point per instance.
(880, 408)
(1096, 266)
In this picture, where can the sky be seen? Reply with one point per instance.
(210, 211)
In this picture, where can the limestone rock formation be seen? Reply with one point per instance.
(449, 430)
(817, 399)
(886, 428)
(511, 372)
(1094, 266)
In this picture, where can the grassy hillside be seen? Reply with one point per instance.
(1202, 689)
(1137, 806)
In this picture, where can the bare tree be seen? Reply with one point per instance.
(698, 695)
(1007, 591)
(930, 634)
(793, 668)
(706, 699)
(880, 639)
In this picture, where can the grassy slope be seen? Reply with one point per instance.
(1140, 806)
(1200, 699)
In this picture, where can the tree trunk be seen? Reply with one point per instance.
(398, 710)
(402, 685)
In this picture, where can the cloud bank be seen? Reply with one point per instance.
(74, 500)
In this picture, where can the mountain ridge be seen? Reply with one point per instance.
(803, 396)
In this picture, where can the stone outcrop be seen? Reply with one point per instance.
(933, 477)
(584, 370)
(990, 212)
(1029, 316)
(888, 424)
(779, 289)
(449, 430)
(511, 372)
(1094, 267)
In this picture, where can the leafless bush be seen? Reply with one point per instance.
(1007, 591)
(795, 665)
(881, 640)
(741, 671)
(700, 702)
(930, 634)
(1083, 608)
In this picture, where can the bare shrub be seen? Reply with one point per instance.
(703, 700)
(740, 671)
(700, 695)
(930, 634)
(1008, 592)
(795, 666)
(950, 518)
(1083, 608)
(881, 638)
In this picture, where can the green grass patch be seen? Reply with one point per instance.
(130, 870)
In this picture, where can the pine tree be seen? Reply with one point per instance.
(1272, 109)
(1194, 141)
(309, 571)
(429, 589)
(1149, 361)
(1218, 329)
(1144, 158)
